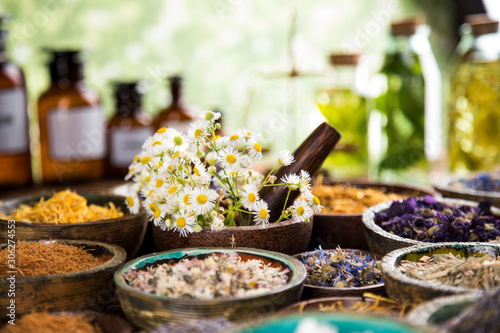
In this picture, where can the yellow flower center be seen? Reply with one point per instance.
(198, 133)
(172, 189)
(130, 201)
(257, 147)
(159, 183)
(234, 137)
(157, 213)
(186, 199)
(176, 155)
(263, 213)
(249, 133)
(300, 211)
(178, 141)
(202, 199)
(150, 192)
(145, 159)
(196, 171)
(157, 143)
(316, 201)
(162, 130)
(153, 207)
(231, 159)
(181, 222)
(136, 158)
(148, 178)
(252, 197)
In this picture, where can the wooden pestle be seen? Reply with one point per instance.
(309, 157)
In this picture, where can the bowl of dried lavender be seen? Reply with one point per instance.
(419, 273)
(341, 272)
(416, 221)
(476, 186)
(340, 221)
(206, 283)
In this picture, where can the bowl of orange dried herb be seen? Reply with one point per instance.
(57, 275)
(340, 221)
(70, 215)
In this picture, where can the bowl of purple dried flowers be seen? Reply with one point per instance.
(420, 273)
(477, 186)
(341, 272)
(413, 221)
(207, 283)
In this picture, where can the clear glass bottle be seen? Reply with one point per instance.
(126, 130)
(343, 102)
(407, 107)
(474, 101)
(72, 134)
(176, 115)
(15, 157)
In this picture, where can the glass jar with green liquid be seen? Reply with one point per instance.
(474, 100)
(342, 101)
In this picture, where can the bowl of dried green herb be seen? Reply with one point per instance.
(415, 221)
(341, 272)
(207, 283)
(419, 273)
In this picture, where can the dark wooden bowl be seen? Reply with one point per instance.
(287, 237)
(88, 289)
(408, 290)
(126, 231)
(346, 230)
(147, 311)
(383, 242)
(311, 291)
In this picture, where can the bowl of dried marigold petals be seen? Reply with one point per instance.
(340, 221)
(70, 215)
(57, 275)
(237, 284)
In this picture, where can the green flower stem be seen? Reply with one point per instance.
(267, 177)
(284, 206)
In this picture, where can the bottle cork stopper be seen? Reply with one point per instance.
(407, 27)
(481, 24)
(344, 59)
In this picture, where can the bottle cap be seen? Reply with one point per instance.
(65, 64)
(407, 27)
(344, 59)
(175, 80)
(481, 24)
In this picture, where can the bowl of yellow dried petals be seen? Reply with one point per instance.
(340, 221)
(70, 215)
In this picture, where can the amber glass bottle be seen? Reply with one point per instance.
(72, 138)
(176, 115)
(126, 130)
(15, 157)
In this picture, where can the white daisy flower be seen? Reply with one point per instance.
(132, 200)
(184, 198)
(211, 157)
(210, 115)
(197, 131)
(301, 212)
(291, 180)
(154, 145)
(254, 149)
(222, 142)
(217, 223)
(285, 158)
(176, 141)
(202, 200)
(145, 161)
(250, 196)
(261, 213)
(200, 174)
(230, 159)
(237, 141)
(313, 201)
(305, 181)
(159, 214)
(183, 222)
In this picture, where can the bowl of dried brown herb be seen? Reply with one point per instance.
(341, 272)
(237, 284)
(58, 275)
(413, 221)
(419, 273)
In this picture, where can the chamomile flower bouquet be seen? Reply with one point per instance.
(187, 181)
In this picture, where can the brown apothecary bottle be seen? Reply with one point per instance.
(15, 157)
(72, 134)
(126, 130)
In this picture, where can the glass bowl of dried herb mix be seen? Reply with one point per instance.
(341, 272)
(206, 283)
(476, 186)
(58, 275)
(422, 272)
(340, 221)
(69, 215)
(413, 221)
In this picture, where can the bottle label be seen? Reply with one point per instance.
(76, 134)
(126, 143)
(13, 122)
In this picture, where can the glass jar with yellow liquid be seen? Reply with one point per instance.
(474, 101)
(342, 101)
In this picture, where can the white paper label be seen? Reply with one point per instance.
(76, 134)
(126, 143)
(13, 122)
